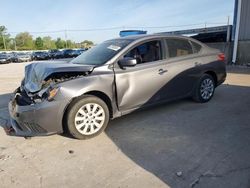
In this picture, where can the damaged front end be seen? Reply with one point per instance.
(33, 108)
(27, 114)
(48, 89)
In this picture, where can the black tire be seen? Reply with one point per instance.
(198, 95)
(73, 111)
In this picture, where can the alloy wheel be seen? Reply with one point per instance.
(89, 119)
(207, 88)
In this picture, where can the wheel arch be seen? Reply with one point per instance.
(105, 99)
(213, 74)
(98, 94)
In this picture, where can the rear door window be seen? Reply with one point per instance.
(196, 47)
(178, 47)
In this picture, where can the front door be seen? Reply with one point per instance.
(141, 85)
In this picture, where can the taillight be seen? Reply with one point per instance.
(221, 57)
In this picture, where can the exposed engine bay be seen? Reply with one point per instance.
(27, 98)
(41, 78)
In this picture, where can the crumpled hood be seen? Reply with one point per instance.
(36, 73)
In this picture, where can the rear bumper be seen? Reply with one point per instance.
(41, 58)
(4, 61)
(39, 119)
(24, 59)
(221, 78)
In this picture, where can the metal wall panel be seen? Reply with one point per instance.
(244, 32)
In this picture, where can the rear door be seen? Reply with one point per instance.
(183, 61)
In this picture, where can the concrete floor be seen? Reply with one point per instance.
(180, 144)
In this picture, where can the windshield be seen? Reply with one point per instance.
(101, 53)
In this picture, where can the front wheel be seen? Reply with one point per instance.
(87, 117)
(204, 90)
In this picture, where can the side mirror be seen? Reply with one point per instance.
(127, 62)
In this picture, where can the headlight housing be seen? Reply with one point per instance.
(52, 93)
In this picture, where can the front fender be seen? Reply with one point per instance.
(99, 81)
(79, 86)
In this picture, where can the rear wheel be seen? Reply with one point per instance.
(204, 90)
(87, 117)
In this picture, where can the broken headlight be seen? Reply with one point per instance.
(52, 93)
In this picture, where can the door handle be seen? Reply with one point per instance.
(162, 71)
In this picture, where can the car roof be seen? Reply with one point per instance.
(145, 36)
(154, 36)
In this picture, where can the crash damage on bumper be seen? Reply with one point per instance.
(32, 112)
(36, 119)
